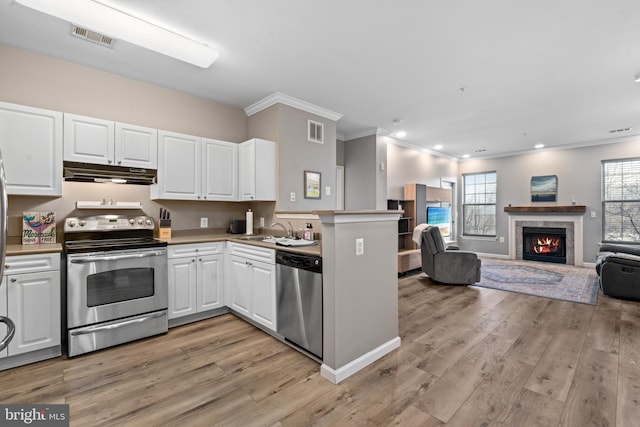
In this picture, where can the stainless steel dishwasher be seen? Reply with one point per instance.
(299, 300)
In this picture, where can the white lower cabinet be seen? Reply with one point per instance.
(252, 287)
(195, 278)
(30, 296)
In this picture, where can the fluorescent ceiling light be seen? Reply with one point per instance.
(119, 25)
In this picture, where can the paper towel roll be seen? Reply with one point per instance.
(249, 220)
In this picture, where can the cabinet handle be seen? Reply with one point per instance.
(119, 162)
(193, 260)
(7, 266)
(200, 259)
(109, 161)
(13, 280)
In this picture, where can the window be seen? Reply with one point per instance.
(621, 201)
(479, 204)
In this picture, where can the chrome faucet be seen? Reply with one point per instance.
(289, 231)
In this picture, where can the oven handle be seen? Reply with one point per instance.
(93, 258)
(11, 330)
(93, 329)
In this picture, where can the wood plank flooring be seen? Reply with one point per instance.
(469, 357)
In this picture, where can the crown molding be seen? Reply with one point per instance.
(281, 98)
(366, 132)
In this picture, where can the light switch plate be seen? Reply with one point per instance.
(204, 222)
(360, 246)
(327, 190)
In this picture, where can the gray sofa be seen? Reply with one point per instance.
(618, 268)
(444, 265)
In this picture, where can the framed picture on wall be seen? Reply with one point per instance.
(312, 185)
(544, 188)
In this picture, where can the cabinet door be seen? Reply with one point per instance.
(247, 170)
(31, 145)
(3, 312)
(210, 282)
(88, 140)
(179, 166)
(182, 286)
(265, 170)
(33, 303)
(136, 146)
(240, 278)
(219, 170)
(263, 294)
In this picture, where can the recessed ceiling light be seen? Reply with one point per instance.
(123, 26)
(538, 146)
(637, 79)
(401, 134)
(465, 156)
(438, 147)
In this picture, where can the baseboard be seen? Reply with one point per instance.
(487, 255)
(340, 374)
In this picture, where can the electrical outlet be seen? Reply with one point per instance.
(360, 246)
(501, 239)
(292, 197)
(593, 214)
(204, 222)
(261, 221)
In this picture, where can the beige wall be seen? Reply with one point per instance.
(36, 80)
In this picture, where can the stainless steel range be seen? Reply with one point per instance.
(116, 281)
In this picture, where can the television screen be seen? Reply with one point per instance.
(441, 218)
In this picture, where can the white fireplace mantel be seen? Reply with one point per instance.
(575, 218)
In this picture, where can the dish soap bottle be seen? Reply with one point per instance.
(308, 232)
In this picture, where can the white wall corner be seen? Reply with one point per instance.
(281, 98)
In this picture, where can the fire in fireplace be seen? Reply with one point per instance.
(546, 244)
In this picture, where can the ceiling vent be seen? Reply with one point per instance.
(92, 36)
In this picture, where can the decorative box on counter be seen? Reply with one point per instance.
(164, 229)
(38, 228)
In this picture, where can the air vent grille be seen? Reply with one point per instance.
(93, 36)
(315, 132)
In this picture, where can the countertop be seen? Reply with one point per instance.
(179, 237)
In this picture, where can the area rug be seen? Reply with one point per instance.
(557, 281)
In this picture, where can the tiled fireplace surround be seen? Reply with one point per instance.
(571, 222)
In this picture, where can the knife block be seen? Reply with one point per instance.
(164, 229)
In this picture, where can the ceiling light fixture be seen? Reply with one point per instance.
(465, 156)
(114, 23)
(438, 147)
(401, 134)
(397, 121)
(637, 79)
(538, 146)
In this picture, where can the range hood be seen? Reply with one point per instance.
(88, 172)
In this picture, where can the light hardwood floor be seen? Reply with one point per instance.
(469, 357)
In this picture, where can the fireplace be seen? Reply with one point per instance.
(547, 244)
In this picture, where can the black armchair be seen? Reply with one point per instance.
(618, 268)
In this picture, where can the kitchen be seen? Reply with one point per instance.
(162, 108)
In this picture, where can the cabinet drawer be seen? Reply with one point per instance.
(255, 253)
(31, 263)
(193, 249)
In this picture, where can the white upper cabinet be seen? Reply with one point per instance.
(136, 146)
(194, 168)
(219, 170)
(97, 141)
(257, 170)
(31, 144)
(179, 163)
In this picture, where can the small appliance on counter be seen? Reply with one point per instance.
(238, 226)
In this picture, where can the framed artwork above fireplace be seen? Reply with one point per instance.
(544, 188)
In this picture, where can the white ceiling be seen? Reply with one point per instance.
(559, 73)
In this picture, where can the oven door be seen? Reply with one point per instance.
(112, 285)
